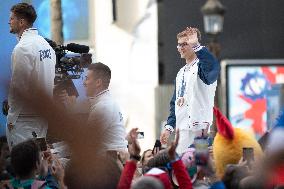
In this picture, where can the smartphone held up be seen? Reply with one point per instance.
(140, 135)
(248, 154)
(201, 153)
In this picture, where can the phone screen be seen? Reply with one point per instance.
(248, 154)
(140, 135)
(201, 153)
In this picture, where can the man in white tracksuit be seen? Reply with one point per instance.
(104, 110)
(33, 63)
(191, 107)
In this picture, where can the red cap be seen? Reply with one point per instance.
(161, 175)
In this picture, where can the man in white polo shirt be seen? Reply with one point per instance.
(104, 110)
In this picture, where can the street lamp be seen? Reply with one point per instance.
(213, 16)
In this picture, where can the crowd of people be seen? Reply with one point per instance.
(99, 153)
(224, 165)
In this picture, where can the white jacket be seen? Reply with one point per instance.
(197, 110)
(33, 61)
(111, 117)
(191, 107)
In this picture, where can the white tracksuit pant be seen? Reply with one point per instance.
(23, 129)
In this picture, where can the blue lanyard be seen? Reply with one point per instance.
(183, 83)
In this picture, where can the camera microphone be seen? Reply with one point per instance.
(76, 48)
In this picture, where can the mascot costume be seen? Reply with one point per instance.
(229, 143)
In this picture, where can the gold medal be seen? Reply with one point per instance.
(180, 101)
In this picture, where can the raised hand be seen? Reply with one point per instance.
(46, 158)
(173, 146)
(165, 137)
(57, 169)
(132, 135)
(192, 38)
(134, 147)
(58, 172)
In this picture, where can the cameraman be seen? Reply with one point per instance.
(104, 110)
(33, 63)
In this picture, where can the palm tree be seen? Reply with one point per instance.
(56, 21)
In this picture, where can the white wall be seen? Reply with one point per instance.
(130, 50)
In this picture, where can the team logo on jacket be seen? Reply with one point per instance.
(44, 54)
(120, 116)
(180, 101)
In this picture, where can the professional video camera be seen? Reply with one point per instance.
(69, 65)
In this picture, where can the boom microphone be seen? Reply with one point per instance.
(76, 48)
